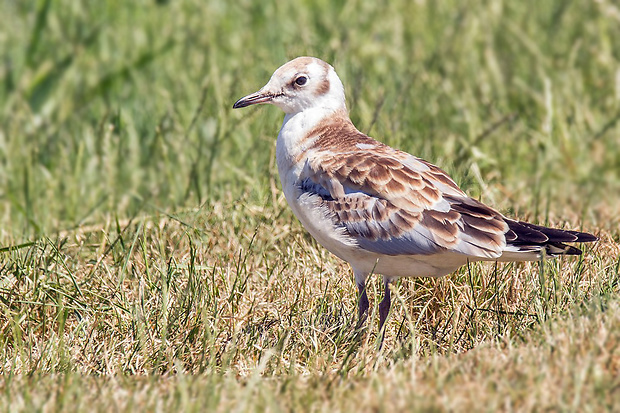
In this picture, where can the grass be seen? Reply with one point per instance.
(149, 260)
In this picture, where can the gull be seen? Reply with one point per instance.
(380, 209)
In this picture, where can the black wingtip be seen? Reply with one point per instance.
(557, 248)
(552, 240)
(585, 237)
(527, 232)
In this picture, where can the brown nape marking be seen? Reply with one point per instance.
(337, 133)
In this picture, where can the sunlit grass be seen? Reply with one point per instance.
(149, 259)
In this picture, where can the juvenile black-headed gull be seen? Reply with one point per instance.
(380, 209)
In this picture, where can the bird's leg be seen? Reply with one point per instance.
(360, 280)
(362, 305)
(384, 305)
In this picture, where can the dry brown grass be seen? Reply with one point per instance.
(118, 293)
(212, 309)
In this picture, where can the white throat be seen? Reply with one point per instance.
(294, 130)
(292, 144)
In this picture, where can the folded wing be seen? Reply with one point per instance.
(395, 204)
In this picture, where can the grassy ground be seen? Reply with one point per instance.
(149, 260)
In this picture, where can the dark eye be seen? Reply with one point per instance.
(301, 80)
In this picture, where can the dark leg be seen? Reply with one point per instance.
(360, 280)
(363, 305)
(384, 305)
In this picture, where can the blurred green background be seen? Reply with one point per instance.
(144, 234)
(120, 108)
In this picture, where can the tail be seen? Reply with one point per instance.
(523, 237)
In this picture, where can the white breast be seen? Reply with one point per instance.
(291, 158)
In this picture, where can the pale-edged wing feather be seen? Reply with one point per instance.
(392, 203)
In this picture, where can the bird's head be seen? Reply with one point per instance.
(302, 83)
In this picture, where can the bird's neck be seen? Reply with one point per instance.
(297, 126)
(296, 136)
